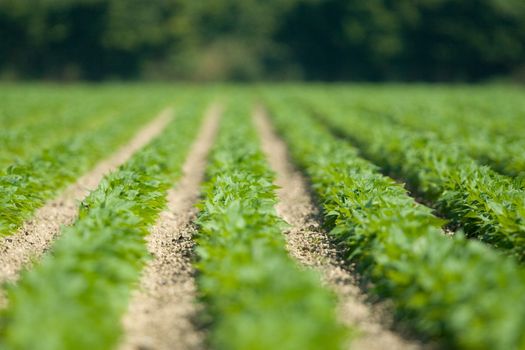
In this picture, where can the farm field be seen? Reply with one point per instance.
(151, 216)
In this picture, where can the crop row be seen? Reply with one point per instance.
(486, 134)
(257, 297)
(490, 110)
(483, 203)
(27, 184)
(75, 297)
(25, 142)
(451, 289)
(504, 154)
(487, 123)
(23, 105)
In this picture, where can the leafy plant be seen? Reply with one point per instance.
(27, 184)
(74, 298)
(257, 297)
(451, 289)
(485, 204)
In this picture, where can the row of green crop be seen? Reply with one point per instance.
(490, 130)
(485, 122)
(35, 118)
(32, 105)
(489, 110)
(503, 153)
(450, 289)
(22, 143)
(27, 184)
(257, 297)
(485, 204)
(75, 297)
(23, 105)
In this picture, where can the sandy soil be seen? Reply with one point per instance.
(307, 242)
(163, 309)
(36, 235)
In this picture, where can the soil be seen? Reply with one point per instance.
(34, 238)
(310, 245)
(164, 308)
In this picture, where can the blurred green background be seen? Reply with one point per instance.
(246, 40)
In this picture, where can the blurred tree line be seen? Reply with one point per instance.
(434, 40)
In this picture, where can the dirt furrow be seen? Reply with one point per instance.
(36, 235)
(307, 242)
(162, 310)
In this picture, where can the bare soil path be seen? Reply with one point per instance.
(307, 242)
(161, 311)
(36, 235)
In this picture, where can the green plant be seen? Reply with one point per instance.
(257, 297)
(457, 291)
(74, 298)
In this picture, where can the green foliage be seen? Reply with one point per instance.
(257, 297)
(75, 297)
(485, 204)
(35, 118)
(454, 290)
(28, 183)
(486, 122)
